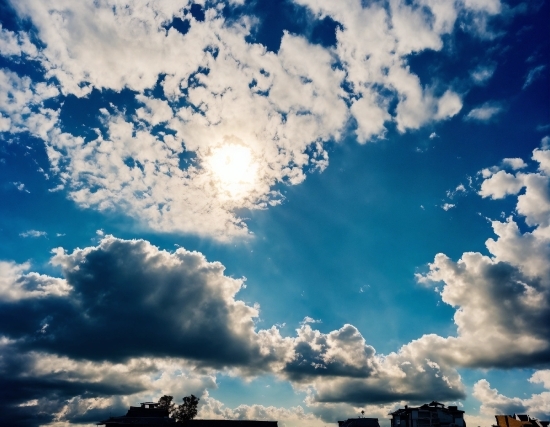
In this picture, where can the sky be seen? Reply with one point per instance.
(295, 210)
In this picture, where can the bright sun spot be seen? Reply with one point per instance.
(234, 170)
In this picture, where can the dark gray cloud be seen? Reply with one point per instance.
(28, 398)
(343, 352)
(342, 367)
(130, 299)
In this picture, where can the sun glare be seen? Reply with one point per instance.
(234, 169)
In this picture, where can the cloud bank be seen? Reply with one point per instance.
(207, 101)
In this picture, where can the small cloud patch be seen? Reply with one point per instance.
(484, 113)
(33, 233)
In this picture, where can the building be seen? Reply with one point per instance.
(229, 423)
(359, 422)
(517, 420)
(150, 415)
(432, 414)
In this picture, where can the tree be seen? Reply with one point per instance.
(165, 402)
(187, 410)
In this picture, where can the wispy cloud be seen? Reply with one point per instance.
(33, 233)
(483, 74)
(308, 319)
(533, 75)
(485, 112)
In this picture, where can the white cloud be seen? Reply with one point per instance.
(448, 105)
(533, 75)
(155, 110)
(489, 6)
(341, 367)
(211, 408)
(16, 44)
(179, 296)
(541, 377)
(308, 319)
(21, 101)
(514, 163)
(492, 402)
(500, 185)
(534, 204)
(447, 206)
(504, 297)
(543, 158)
(20, 186)
(33, 233)
(280, 107)
(485, 112)
(15, 284)
(482, 74)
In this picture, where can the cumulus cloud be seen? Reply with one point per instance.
(129, 322)
(14, 44)
(493, 402)
(514, 163)
(39, 387)
(341, 367)
(127, 298)
(504, 297)
(484, 113)
(16, 284)
(126, 309)
(265, 114)
(22, 105)
(211, 408)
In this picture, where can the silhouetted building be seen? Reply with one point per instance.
(432, 414)
(359, 422)
(229, 423)
(147, 415)
(150, 415)
(518, 420)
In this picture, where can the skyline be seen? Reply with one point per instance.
(295, 210)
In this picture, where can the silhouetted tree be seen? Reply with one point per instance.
(166, 402)
(188, 409)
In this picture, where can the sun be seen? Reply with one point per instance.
(234, 170)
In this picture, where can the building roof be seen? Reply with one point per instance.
(519, 420)
(359, 422)
(138, 421)
(432, 406)
(229, 423)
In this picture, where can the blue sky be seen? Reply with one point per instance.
(294, 210)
